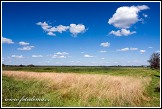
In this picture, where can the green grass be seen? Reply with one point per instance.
(14, 88)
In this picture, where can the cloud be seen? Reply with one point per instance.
(62, 53)
(145, 15)
(51, 34)
(76, 29)
(142, 51)
(105, 44)
(133, 49)
(122, 32)
(51, 30)
(44, 26)
(59, 56)
(124, 49)
(26, 48)
(7, 41)
(23, 43)
(17, 56)
(88, 56)
(62, 28)
(125, 16)
(37, 56)
(150, 47)
(127, 49)
(103, 58)
(103, 51)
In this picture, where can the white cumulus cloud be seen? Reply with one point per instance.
(105, 44)
(23, 43)
(125, 16)
(122, 32)
(7, 41)
(51, 34)
(26, 48)
(76, 29)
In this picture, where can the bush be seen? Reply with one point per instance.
(155, 60)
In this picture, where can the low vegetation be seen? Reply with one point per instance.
(106, 87)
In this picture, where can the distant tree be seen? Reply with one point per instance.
(3, 65)
(31, 65)
(21, 65)
(155, 60)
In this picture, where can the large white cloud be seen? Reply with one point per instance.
(76, 29)
(26, 48)
(126, 16)
(105, 44)
(6, 40)
(122, 32)
(23, 43)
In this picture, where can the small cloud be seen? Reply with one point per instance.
(26, 48)
(59, 56)
(123, 49)
(105, 44)
(88, 56)
(7, 41)
(142, 51)
(37, 56)
(145, 15)
(17, 56)
(51, 34)
(23, 43)
(62, 53)
(103, 51)
(103, 58)
(150, 47)
(133, 49)
(82, 52)
(44, 26)
(76, 29)
(122, 32)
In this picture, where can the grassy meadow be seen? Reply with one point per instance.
(80, 86)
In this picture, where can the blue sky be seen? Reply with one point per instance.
(109, 33)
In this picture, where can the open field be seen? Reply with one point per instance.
(81, 86)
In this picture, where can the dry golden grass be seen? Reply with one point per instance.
(117, 90)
